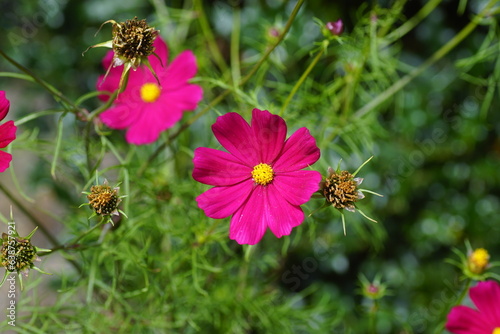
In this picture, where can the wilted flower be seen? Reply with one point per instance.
(132, 44)
(341, 190)
(483, 320)
(104, 199)
(259, 181)
(7, 132)
(18, 254)
(147, 107)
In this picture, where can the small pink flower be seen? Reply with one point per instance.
(259, 181)
(7, 132)
(336, 27)
(144, 107)
(484, 320)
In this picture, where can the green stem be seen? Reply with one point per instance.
(235, 46)
(398, 85)
(57, 94)
(301, 80)
(224, 93)
(209, 37)
(411, 23)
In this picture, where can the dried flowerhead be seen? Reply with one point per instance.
(132, 44)
(341, 190)
(104, 199)
(132, 41)
(17, 254)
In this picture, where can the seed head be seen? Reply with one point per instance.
(132, 41)
(104, 199)
(17, 254)
(341, 189)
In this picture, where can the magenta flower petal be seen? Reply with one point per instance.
(236, 136)
(484, 320)
(218, 168)
(186, 97)
(148, 126)
(147, 107)
(4, 105)
(267, 166)
(486, 297)
(221, 202)
(5, 159)
(119, 117)
(300, 151)
(7, 133)
(281, 215)
(249, 222)
(297, 193)
(270, 133)
(181, 69)
(464, 320)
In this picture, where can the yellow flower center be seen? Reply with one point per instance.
(496, 331)
(262, 174)
(150, 92)
(478, 261)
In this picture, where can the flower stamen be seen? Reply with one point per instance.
(262, 174)
(150, 92)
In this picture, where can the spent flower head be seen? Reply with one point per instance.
(17, 254)
(104, 200)
(132, 44)
(341, 190)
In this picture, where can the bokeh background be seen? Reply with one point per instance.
(435, 144)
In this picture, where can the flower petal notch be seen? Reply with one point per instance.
(151, 104)
(260, 180)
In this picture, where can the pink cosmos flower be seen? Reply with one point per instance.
(7, 132)
(484, 320)
(144, 107)
(259, 180)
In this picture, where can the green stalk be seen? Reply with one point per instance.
(440, 328)
(209, 37)
(224, 93)
(57, 94)
(301, 80)
(235, 47)
(398, 85)
(411, 23)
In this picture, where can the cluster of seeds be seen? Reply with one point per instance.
(103, 199)
(17, 254)
(341, 190)
(133, 40)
